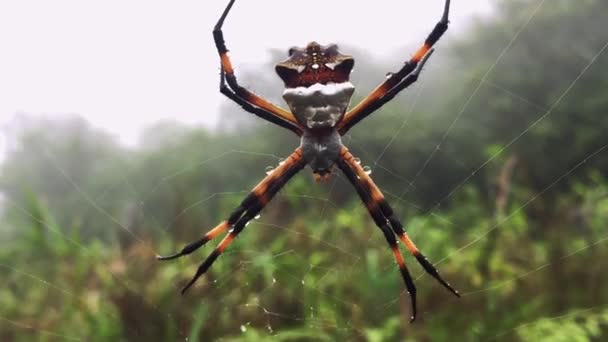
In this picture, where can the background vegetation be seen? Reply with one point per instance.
(510, 200)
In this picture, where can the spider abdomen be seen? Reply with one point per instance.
(321, 149)
(319, 105)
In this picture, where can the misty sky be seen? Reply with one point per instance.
(124, 64)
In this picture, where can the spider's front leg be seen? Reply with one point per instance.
(398, 81)
(382, 223)
(245, 212)
(383, 215)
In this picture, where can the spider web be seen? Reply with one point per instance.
(221, 285)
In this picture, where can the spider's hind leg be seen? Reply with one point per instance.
(398, 80)
(245, 98)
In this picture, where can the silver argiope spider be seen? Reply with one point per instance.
(318, 92)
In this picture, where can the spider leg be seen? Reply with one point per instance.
(213, 233)
(369, 104)
(248, 210)
(264, 114)
(226, 241)
(372, 107)
(378, 198)
(259, 194)
(382, 223)
(268, 110)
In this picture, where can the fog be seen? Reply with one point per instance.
(124, 65)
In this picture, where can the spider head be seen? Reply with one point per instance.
(317, 84)
(315, 63)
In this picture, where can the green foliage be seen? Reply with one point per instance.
(581, 326)
(84, 217)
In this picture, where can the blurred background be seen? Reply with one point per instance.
(117, 146)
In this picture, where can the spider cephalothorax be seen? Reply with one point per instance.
(318, 92)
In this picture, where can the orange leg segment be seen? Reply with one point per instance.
(383, 214)
(266, 109)
(246, 211)
(398, 81)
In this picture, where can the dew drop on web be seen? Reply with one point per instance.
(358, 161)
(367, 170)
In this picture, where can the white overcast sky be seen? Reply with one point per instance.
(124, 64)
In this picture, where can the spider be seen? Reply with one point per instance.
(318, 93)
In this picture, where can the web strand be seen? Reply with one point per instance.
(470, 98)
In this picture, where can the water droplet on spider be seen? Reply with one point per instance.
(389, 75)
(246, 224)
(243, 328)
(358, 161)
(269, 169)
(281, 161)
(367, 170)
(257, 217)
